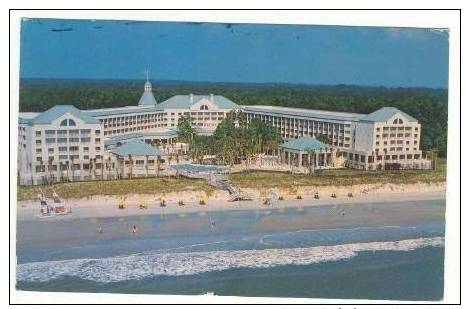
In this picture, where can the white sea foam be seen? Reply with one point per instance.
(137, 266)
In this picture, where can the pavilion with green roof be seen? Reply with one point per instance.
(307, 151)
(137, 158)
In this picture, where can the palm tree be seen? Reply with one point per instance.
(433, 153)
(68, 167)
(159, 161)
(49, 168)
(311, 167)
(109, 165)
(131, 163)
(90, 166)
(146, 166)
(102, 168)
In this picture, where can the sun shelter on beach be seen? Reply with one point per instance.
(307, 151)
(137, 159)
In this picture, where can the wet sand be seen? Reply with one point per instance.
(81, 228)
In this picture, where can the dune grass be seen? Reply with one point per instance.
(259, 180)
(116, 187)
(342, 177)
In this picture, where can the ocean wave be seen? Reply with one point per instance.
(138, 266)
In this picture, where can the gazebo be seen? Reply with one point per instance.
(307, 151)
(136, 158)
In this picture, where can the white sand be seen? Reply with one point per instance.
(106, 206)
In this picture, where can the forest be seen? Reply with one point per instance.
(427, 105)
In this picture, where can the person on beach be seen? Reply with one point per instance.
(100, 230)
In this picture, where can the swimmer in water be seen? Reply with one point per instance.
(213, 226)
(134, 229)
(100, 230)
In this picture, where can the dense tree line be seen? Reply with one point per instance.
(429, 106)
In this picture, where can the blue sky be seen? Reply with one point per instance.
(326, 55)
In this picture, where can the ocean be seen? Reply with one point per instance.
(241, 253)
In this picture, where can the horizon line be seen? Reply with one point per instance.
(233, 82)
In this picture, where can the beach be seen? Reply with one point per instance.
(100, 206)
(392, 236)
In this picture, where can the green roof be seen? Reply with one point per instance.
(57, 111)
(385, 113)
(136, 148)
(120, 110)
(304, 143)
(184, 101)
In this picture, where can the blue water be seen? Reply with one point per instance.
(241, 255)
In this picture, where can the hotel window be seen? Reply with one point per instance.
(62, 149)
(97, 131)
(97, 140)
(38, 142)
(50, 150)
(68, 122)
(38, 150)
(38, 133)
(63, 157)
(50, 132)
(39, 159)
(97, 148)
(378, 129)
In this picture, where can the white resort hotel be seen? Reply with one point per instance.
(68, 144)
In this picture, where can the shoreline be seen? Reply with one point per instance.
(106, 206)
